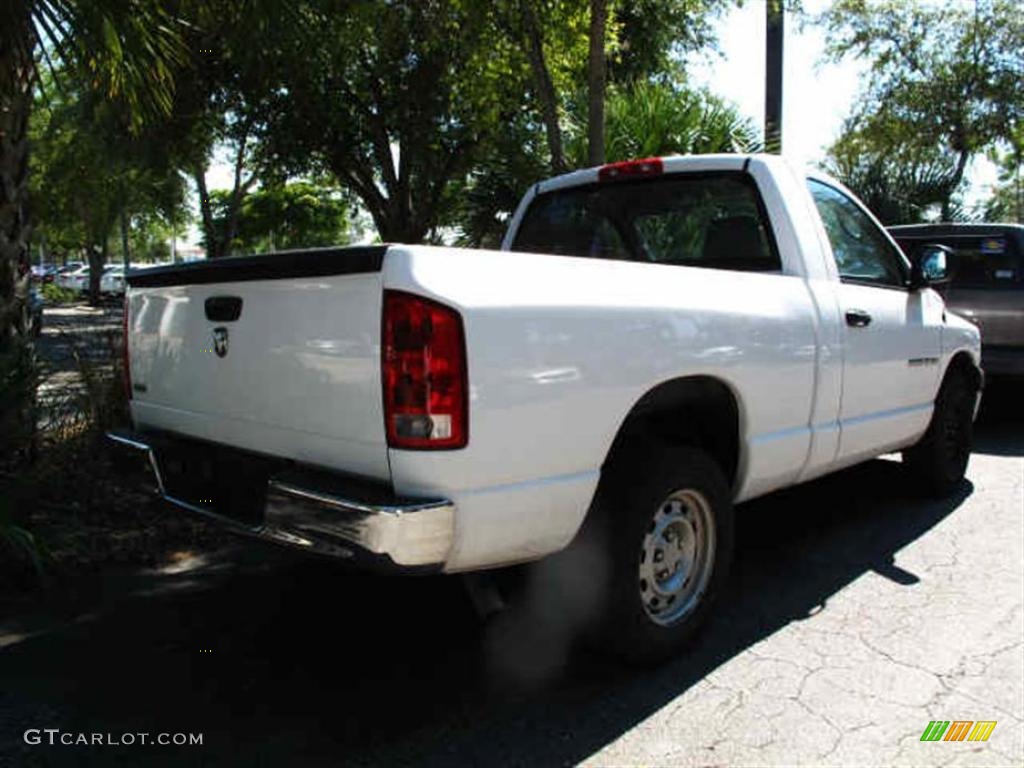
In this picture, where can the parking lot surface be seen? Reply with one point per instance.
(855, 615)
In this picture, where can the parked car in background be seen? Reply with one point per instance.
(73, 278)
(986, 284)
(67, 268)
(44, 273)
(112, 280)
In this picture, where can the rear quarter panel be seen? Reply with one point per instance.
(559, 350)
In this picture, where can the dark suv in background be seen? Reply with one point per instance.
(986, 284)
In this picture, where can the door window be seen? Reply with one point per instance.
(862, 252)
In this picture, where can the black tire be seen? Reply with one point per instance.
(633, 493)
(938, 462)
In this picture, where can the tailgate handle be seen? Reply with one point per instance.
(223, 309)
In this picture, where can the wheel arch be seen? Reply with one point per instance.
(698, 411)
(963, 361)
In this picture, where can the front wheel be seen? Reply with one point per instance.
(938, 462)
(668, 522)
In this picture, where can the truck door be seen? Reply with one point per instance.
(892, 335)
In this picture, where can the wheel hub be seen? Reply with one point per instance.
(676, 556)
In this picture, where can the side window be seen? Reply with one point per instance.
(862, 252)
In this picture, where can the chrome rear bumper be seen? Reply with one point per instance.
(311, 510)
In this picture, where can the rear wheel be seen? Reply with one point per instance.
(667, 520)
(938, 462)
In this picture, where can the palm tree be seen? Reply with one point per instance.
(648, 119)
(126, 50)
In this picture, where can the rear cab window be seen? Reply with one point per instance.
(712, 220)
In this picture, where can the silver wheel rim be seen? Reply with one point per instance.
(676, 557)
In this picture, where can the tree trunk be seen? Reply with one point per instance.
(238, 190)
(958, 175)
(398, 225)
(125, 254)
(545, 88)
(596, 83)
(206, 214)
(97, 259)
(774, 46)
(218, 244)
(1018, 208)
(16, 75)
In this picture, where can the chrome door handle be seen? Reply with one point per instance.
(857, 318)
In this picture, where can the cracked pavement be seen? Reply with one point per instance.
(856, 614)
(936, 633)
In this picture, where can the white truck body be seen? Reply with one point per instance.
(559, 351)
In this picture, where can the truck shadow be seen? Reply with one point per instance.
(277, 660)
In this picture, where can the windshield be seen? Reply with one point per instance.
(697, 220)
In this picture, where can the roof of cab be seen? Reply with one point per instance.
(670, 164)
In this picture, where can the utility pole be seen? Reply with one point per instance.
(774, 34)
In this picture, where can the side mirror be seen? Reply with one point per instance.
(929, 265)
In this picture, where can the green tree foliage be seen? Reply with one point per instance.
(394, 99)
(647, 119)
(126, 51)
(906, 185)
(643, 119)
(944, 78)
(74, 199)
(644, 39)
(652, 37)
(482, 202)
(404, 103)
(236, 60)
(1006, 202)
(295, 215)
(90, 172)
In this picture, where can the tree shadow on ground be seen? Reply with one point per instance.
(280, 660)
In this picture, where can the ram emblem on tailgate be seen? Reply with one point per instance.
(220, 341)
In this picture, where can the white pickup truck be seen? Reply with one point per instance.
(655, 341)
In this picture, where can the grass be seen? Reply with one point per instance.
(54, 294)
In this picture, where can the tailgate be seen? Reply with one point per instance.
(277, 354)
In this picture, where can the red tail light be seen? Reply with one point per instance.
(628, 169)
(125, 360)
(423, 351)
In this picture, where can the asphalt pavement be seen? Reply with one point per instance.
(856, 615)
